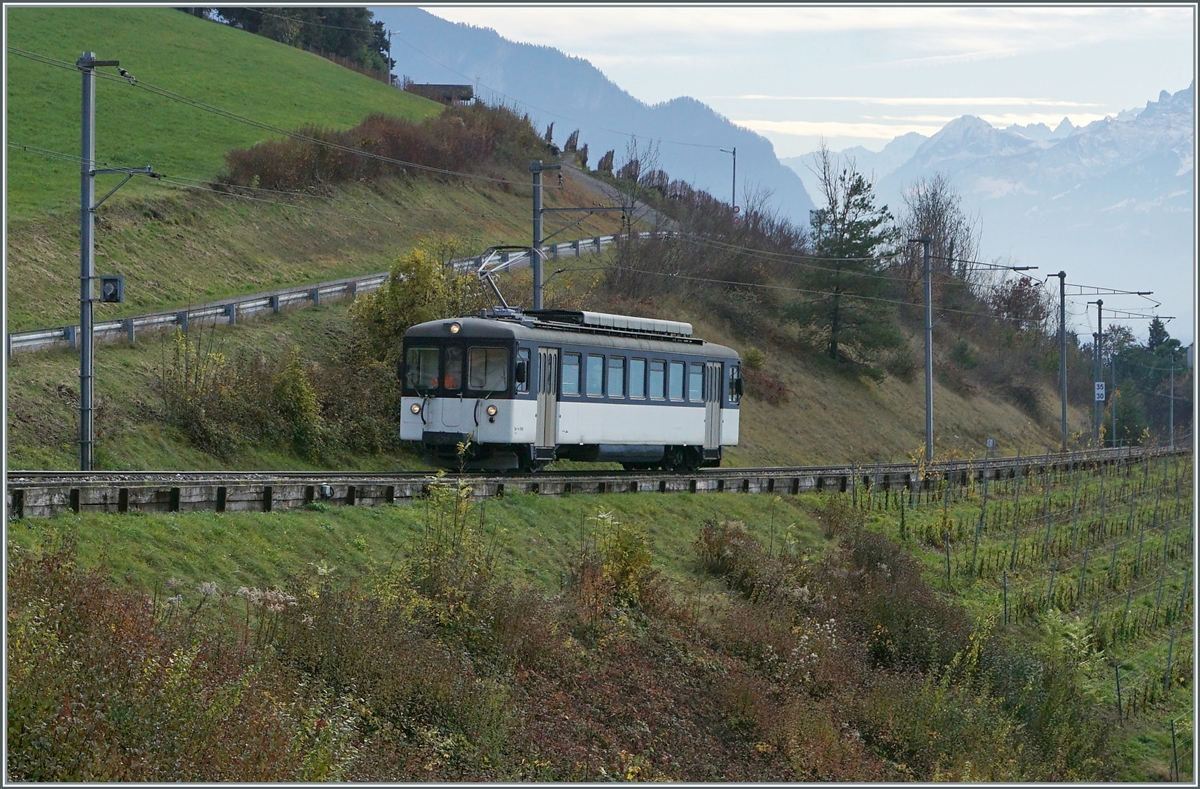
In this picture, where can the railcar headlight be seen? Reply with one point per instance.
(415, 408)
(455, 327)
(491, 410)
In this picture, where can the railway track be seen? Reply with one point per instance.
(31, 494)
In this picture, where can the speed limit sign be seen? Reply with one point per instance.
(1099, 391)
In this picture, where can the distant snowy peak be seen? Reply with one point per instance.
(1180, 103)
(1041, 132)
(970, 137)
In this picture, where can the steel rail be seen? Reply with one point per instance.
(43, 493)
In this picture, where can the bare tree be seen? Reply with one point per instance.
(933, 208)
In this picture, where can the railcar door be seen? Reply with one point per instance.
(712, 405)
(547, 398)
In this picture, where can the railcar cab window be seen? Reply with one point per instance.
(523, 368)
(487, 369)
(658, 376)
(637, 378)
(452, 377)
(696, 382)
(595, 375)
(421, 369)
(675, 384)
(616, 376)
(570, 374)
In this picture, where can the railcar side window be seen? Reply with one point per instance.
(696, 382)
(421, 368)
(637, 378)
(676, 381)
(523, 359)
(658, 375)
(616, 376)
(595, 375)
(570, 374)
(452, 378)
(487, 369)
(735, 383)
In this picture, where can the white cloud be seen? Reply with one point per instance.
(967, 24)
(952, 101)
(835, 129)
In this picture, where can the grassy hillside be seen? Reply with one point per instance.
(236, 71)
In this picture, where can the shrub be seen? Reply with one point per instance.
(297, 405)
(462, 138)
(100, 691)
(763, 385)
(419, 288)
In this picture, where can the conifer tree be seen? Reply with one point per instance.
(846, 310)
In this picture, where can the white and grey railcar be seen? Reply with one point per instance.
(520, 389)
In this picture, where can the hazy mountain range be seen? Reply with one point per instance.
(1110, 203)
(573, 94)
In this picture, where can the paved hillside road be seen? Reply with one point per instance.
(607, 194)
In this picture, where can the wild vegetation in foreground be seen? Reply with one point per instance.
(690, 638)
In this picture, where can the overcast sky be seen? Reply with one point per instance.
(861, 75)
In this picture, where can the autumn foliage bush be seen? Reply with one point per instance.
(469, 138)
(101, 688)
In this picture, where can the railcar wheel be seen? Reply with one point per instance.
(673, 459)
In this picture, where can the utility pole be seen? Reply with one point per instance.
(925, 242)
(1098, 362)
(87, 262)
(1062, 351)
(87, 64)
(733, 197)
(535, 259)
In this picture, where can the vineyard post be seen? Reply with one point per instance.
(1167, 530)
(1128, 600)
(1162, 577)
(983, 508)
(1050, 591)
(1083, 572)
(1137, 563)
(1016, 519)
(1075, 510)
(1046, 512)
(1132, 500)
(1167, 675)
(1177, 494)
(949, 585)
(1004, 586)
(1174, 751)
(1112, 568)
(1118, 668)
(1103, 500)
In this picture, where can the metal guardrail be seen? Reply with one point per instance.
(233, 310)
